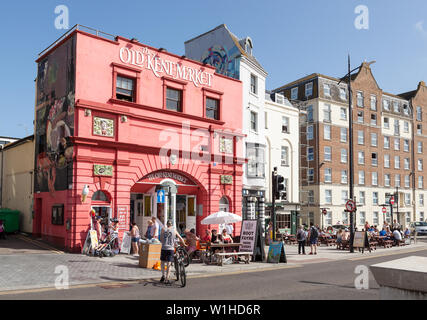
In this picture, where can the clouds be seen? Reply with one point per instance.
(419, 26)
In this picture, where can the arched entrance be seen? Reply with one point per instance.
(101, 203)
(224, 205)
(166, 195)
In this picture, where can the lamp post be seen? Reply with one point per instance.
(350, 129)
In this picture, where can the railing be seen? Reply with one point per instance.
(79, 27)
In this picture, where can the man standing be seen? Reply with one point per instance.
(396, 224)
(301, 237)
(313, 236)
(167, 237)
(155, 229)
(229, 228)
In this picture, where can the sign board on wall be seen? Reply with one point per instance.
(122, 216)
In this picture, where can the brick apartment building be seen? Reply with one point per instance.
(388, 140)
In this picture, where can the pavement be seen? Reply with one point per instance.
(27, 264)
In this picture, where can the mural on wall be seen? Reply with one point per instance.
(55, 119)
(224, 61)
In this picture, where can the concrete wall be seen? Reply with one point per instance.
(18, 182)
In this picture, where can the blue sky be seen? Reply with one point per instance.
(291, 39)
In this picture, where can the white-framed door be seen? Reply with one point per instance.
(191, 213)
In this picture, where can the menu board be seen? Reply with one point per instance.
(126, 243)
(359, 239)
(122, 216)
(276, 252)
(248, 235)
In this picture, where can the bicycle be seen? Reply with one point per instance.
(181, 262)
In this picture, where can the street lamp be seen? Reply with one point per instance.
(350, 129)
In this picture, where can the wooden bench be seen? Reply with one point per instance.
(373, 245)
(388, 243)
(221, 255)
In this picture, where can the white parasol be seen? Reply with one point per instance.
(221, 217)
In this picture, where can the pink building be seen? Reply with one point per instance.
(145, 132)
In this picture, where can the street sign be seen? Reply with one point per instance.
(384, 209)
(350, 206)
(392, 199)
(161, 196)
(325, 212)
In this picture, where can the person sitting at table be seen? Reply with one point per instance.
(226, 238)
(407, 233)
(345, 235)
(192, 239)
(339, 237)
(208, 236)
(397, 236)
(215, 237)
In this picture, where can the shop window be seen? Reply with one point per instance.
(212, 108)
(174, 99)
(147, 206)
(125, 89)
(58, 215)
(191, 207)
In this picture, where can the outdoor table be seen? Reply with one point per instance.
(210, 250)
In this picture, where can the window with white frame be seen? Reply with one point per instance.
(373, 102)
(386, 123)
(406, 126)
(373, 119)
(419, 114)
(343, 155)
(294, 93)
(396, 162)
(310, 154)
(285, 156)
(396, 144)
(327, 153)
(327, 112)
(309, 89)
(419, 129)
(386, 105)
(397, 180)
(408, 218)
(386, 161)
(285, 125)
(387, 180)
(420, 147)
(386, 142)
(310, 196)
(309, 132)
(328, 196)
(328, 175)
(344, 196)
(374, 158)
(360, 137)
(326, 89)
(396, 107)
(343, 113)
(407, 199)
(254, 84)
(405, 109)
(254, 121)
(375, 198)
(362, 217)
(361, 177)
(344, 176)
(421, 199)
(359, 96)
(406, 145)
(310, 174)
(375, 218)
(343, 134)
(343, 94)
(406, 164)
(374, 139)
(255, 153)
(344, 216)
(374, 177)
(361, 157)
(396, 127)
(407, 181)
(360, 116)
(362, 199)
(420, 164)
(327, 132)
(420, 182)
(310, 114)
(328, 218)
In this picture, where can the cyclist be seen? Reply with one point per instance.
(167, 238)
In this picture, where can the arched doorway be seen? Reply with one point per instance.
(101, 203)
(224, 205)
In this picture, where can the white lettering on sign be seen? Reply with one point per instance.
(164, 174)
(151, 61)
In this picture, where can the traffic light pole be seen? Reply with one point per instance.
(273, 212)
(351, 165)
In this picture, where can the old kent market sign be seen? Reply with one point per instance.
(144, 58)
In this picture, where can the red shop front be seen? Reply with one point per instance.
(132, 132)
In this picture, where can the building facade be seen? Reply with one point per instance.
(282, 152)
(234, 57)
(383, 140)
(17, 177)
(132, 132)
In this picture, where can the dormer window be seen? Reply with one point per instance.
(280, 99)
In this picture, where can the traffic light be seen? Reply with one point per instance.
(279, 186)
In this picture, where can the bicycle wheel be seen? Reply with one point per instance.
(185, 258)
(176, 268)
(182, 275)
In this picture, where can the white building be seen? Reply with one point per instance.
(233, 57)
(281, 124)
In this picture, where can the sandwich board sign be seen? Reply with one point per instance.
(126, 243)
(276, 252)
(252, 240)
